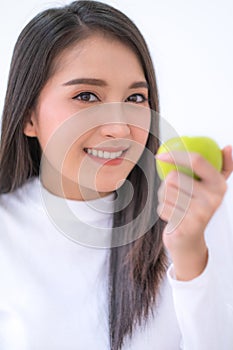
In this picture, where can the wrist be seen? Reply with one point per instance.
(190, 265)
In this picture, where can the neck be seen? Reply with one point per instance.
(61, 186)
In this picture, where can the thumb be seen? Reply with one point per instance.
(227, 161)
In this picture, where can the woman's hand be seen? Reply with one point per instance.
(187, 206)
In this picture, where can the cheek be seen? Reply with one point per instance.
(139, 135)
(140, 123)
(51, 113)
(50, 129)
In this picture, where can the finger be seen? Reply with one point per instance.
(194, 161)
(175, 197)
(170, 214)
(176, 191)
(182, 181)
(227, 162)
(204, 193)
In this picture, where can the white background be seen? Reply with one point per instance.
(191, 45)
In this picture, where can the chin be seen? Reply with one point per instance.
(110, 187)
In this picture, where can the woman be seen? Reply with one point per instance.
(57, 294)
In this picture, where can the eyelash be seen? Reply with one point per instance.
(144, 99)
(82, 94)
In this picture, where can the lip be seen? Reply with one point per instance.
(108, 149)
(109, 162)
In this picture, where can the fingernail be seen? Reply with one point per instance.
(163, 156)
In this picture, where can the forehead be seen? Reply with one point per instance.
(99, 54)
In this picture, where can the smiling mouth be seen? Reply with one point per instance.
(104, 154)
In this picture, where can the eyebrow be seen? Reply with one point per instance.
(100, 82)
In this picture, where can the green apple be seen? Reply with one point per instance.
(205, 146)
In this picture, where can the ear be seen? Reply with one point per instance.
(30, 126)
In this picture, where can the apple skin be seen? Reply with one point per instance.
(205, 146)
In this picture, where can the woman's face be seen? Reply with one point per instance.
(97, 73)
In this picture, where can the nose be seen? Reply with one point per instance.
(115, 124)
(115, 130)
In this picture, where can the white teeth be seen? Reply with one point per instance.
(100, 154)
(104, 154)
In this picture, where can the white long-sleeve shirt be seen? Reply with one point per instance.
(53, 290)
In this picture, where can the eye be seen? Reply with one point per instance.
(86, 97)
(136, 98)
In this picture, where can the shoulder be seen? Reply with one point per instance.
(25, 195)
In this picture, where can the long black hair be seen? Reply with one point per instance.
(136, 268)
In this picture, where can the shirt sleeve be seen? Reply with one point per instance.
(204, 305)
